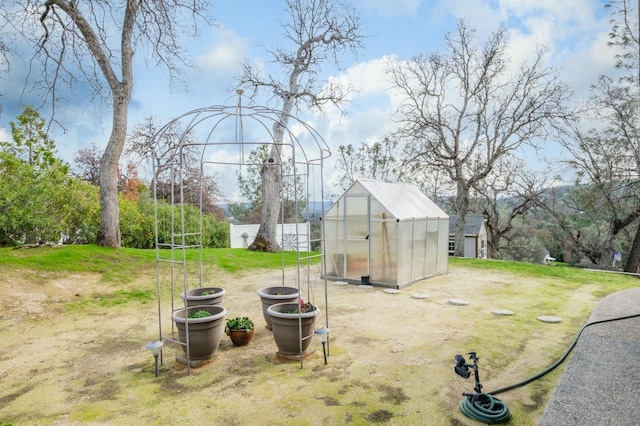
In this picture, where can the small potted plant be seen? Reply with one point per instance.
(240, 330)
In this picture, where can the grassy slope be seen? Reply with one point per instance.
(120, 264)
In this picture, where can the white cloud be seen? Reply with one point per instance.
(226, 53)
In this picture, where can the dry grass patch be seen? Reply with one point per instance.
(78, 360)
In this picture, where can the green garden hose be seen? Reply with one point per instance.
(488, 409)
(561, 359)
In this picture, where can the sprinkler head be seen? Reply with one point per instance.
(461, 368)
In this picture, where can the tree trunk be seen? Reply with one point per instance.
(109, 232)
(634, 255)
(462, 207)
(271, 175)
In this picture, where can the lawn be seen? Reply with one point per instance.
(74, 321)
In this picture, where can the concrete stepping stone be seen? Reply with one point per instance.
(458, 302)
(502, 312)
(340, 283)
(364, 286)
(549, 318)
(420, 296)
(391, 290)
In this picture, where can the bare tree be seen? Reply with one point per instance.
(625, 33)
(320, 31)
(250, 185)
(87, 164)
(607, 165)
(509, 192)
(377, 161)
(5, 52)
(141, 147)
(174, 147)
(94, 41)
(467, 108)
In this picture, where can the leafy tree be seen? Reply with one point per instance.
(466, 108)
(39, 201)
(94, 41)
(30, 140)
(319, 32)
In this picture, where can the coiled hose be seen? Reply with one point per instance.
(490, 410)
(486, 409)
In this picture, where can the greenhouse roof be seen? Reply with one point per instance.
(403, 200)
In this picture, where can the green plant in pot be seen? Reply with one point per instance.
(290, 322)
(203, 325)
(240, 330)
(204, 296)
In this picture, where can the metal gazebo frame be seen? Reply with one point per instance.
(179, 236)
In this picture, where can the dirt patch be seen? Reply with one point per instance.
(390, 355)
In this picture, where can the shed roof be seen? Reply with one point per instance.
(472, 226)
(404, 201)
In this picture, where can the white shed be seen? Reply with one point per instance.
(475, 236)
(387, 234)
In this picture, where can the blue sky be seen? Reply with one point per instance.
(574, 31)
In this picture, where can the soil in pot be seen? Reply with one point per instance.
(204, 333)
(272, 295)
(286, 327)
(204, 296)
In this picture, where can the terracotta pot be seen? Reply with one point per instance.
(273, 295)
(241, 337)
(204, 333)
(196, 298)
(286, 328)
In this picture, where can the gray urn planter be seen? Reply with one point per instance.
(204, 333)
(286, 327)
(272, 295)
(195, 297)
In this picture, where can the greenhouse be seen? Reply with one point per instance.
(385, 234)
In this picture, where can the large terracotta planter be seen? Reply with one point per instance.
(204, 333)
(272, 295)
(195, 297)
(286, 327)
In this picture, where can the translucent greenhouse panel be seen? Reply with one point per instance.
(443, 243)
(357, 236)
(433, 254)
(379, 212)
(336, 211)
(419, 250)
(405, 237)
(384, 251)
(334, 247)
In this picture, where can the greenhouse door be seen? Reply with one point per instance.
(357, 215)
